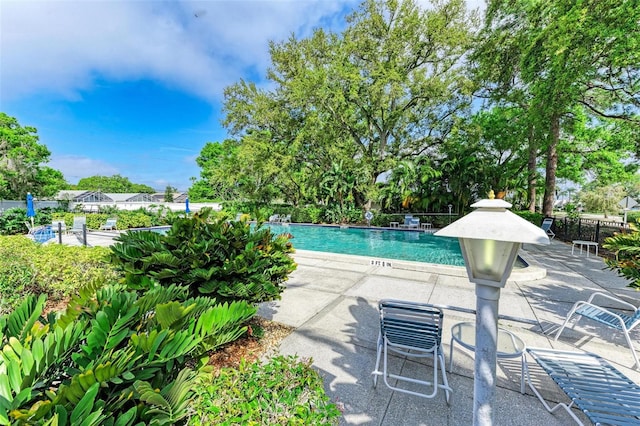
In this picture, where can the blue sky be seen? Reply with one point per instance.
(136, 87)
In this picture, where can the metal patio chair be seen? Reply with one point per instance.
(414, 330)
(547, 222)
(79, 222)
(615, 319)
(602, 393)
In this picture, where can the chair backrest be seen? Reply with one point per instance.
(411, 325)
(407, 219)
(546, 223)
(111, 222)
(78, 221)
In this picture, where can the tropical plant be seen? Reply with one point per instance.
(114, 357)
(218, 258)
(626, 248)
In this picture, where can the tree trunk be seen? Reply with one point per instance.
(531, 171)
(552, 166)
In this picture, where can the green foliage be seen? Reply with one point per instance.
(141, 218)
(52, 269)
(115, 183)
(168, 193)
(626, 248)
(633, 216)
(213, 257)
(345, 107)
(13, 221)
(283, 391)
(533, 217)
(22, 160)
(114, 355)
(602, 199)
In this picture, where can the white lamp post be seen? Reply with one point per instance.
(490, 238)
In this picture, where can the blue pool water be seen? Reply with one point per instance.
(402, 245)
(418, 246)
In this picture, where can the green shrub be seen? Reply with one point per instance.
(533, 217)
(57, 270)
(633, 216)
(113, 355)
(626, 248)
(284, 391)
(226, 260)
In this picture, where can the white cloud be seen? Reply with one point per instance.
(75, 167)
(64, 47)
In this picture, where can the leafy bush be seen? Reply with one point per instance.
(283, 391)
(633, 216)
(626, 248)
(533, 217)
(126, 219)
(217, 258)
(114, 357)
(57, 270)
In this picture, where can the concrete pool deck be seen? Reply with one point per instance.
(331, 300)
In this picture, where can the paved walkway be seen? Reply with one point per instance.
(332, 302)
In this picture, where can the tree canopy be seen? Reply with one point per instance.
(418, 108)
(115, 184)
(23, 162)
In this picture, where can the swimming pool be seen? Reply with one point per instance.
(417, 246)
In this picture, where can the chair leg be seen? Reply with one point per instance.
(566, 321)
(445, 382)
(376, 372)
(633, 351)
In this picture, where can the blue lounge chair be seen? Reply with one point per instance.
(411, 329)
(602, 393)
(615, 319)
(110, 224)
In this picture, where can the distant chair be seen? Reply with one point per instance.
(59, 225)
(546, 227)
(615, 319)
(79, 222)
(110, 224)
(411, 222)
(286, 219)
(274, 218)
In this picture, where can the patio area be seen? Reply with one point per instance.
(332, 302)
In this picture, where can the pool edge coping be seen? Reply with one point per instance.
(533, 271)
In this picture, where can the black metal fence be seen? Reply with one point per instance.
(568, 229)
